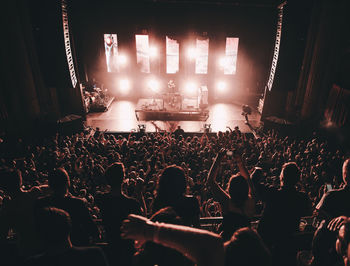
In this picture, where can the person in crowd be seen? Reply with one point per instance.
(16, 214)
(54, 227)
(336, 202)
(343, 242)
(115, 206)
(171, 193)
(179, 132)
(246, 248)
(154, 254)
(83, 227)
(236, 202)
(282, 212)
(200, 246)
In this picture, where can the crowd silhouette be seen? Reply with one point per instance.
(140, 199)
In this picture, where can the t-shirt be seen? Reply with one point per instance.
(282, 212)
(17, 214)
(335, 203)
(74, 256)
(114, 209)
(83, 227)
(233, 221)
(187, 207)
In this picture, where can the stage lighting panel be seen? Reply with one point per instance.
(202, 55)
(231, 56)
(111, 52)
(143, 53)
(172, 56)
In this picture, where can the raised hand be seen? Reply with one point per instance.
(137, 228)
(336, 223)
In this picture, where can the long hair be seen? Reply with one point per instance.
(238, 190)
(171, 184)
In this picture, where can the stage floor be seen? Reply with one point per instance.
(121, 117)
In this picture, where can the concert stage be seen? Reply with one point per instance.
(162, 110)
(120, 117)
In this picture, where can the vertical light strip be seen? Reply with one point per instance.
(142, 53)
(111, 51)
(231, 56)
(67, 44)
(202, 50)
(172, 56)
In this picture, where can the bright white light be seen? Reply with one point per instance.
(191, 87)
(221, 86)
(122, 59)
(153, 84)
(124, 85)
(153, 51)
(223, 62)
(192, 53)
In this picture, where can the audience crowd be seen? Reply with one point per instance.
(140, 199)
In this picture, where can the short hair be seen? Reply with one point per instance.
(238, 189)
(290, 174)
(59, 180)
(172, 182)
(115, 174)
(346, 171)
(53, 225)
(10, 179)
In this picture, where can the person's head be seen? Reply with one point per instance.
(172, 182)
(246, 248)
(343, 241)
(346, 171)
(53, 226)
(238, 190)
(290, 175)
(11, 180)
(115, 175)
(59, 181)
(323, 248)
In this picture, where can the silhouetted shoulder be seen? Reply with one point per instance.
(74, 256)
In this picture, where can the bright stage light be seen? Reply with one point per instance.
(223, 62)
(153, 51)
(153, 84)
(124, 85)
(192, 53)
(221, 86)
(122, 59)
(191, 87)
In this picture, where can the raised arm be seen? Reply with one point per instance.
(219, 193)
(202, 247)
(244, 172)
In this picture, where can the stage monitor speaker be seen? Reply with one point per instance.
(70, 124)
